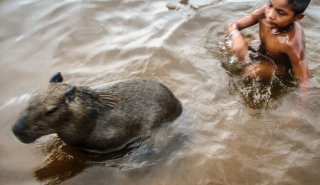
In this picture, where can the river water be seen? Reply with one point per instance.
(221, 137)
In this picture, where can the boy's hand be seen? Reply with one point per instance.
(239, 46)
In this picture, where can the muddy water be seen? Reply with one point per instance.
(219, 139)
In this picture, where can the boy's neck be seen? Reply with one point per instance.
(283, 30)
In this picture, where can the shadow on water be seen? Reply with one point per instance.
(64, 162)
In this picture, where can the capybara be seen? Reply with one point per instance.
(99, 119)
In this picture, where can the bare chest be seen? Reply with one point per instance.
(274, 44)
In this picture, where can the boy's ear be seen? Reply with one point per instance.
(298, 17)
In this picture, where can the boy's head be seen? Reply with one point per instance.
(298, 6)
(282, 13)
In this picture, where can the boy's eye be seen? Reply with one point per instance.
(269, 4)
(282, 12)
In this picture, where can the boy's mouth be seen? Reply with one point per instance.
(270, 24)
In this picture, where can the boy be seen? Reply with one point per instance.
(282, 40)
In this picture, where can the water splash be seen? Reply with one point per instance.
(256, 93)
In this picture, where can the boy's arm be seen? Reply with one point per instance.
(247, 21)
(239, 44)
(300, 66)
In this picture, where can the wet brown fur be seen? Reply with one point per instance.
(98, 119)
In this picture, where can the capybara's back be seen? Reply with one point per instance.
(104, 119)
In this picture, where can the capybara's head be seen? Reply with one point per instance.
(48, 111)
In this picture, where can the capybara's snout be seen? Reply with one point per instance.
(20, 131)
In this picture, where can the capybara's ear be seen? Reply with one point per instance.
(56, 78)
(70, 93)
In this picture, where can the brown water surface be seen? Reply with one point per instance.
(220, 137)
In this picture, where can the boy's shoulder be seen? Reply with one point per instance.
(297, 37)
(296, 42)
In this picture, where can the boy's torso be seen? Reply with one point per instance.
(275, 45)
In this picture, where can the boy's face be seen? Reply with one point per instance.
(279, 14)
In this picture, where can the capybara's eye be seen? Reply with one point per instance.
(51, 110)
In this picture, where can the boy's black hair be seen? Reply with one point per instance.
(298, 6)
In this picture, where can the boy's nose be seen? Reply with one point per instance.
(271, 14)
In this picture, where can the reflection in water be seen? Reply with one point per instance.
(64, 162)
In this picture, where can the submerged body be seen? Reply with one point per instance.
(99, 119)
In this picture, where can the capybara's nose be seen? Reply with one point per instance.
(19, 130)
(19, 126)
